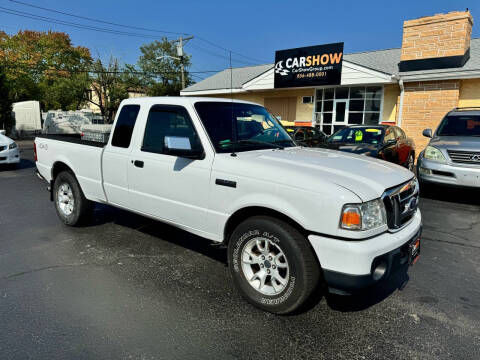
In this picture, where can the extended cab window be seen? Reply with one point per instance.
(168, 120)
(122, 134)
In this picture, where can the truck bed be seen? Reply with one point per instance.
(83, 157)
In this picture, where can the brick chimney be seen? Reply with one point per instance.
(437, 36)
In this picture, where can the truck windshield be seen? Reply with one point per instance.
(369, 135)
(465, 125)
(253, 126)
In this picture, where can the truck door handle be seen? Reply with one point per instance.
(138, 163)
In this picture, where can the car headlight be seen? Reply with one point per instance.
(366, 216)
(432, 153)
(12, 146)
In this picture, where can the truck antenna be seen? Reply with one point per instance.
(234, 123)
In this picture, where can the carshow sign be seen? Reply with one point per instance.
(309, 66)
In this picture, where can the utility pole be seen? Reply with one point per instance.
(180, 54)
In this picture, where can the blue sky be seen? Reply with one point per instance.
(254, 29)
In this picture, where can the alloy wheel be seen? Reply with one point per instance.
(265, 266)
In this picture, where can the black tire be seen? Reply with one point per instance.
(303, 267)
(82, 207)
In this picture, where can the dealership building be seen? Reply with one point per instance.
(436, 69)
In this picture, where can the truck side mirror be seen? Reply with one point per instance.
(427, 133)
(181, 147)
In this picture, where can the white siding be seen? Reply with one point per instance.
(353, 74)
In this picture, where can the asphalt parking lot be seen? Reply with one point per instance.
(126, 287)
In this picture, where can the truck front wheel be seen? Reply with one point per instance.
(71, 205)
(272, 264)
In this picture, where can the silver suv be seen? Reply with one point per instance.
(453, 155)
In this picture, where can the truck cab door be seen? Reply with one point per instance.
(164, 186)
(117, 155)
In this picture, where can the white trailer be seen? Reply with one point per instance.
(28, 116)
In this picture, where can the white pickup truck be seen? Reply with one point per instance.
(294, 218)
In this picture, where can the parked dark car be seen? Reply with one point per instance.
(307, 135)
(381, 141)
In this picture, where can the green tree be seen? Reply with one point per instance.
(162, 76)
(45, 66)
(6, 119)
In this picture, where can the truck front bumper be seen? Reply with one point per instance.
(349, 266)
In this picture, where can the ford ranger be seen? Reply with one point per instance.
(293, 218)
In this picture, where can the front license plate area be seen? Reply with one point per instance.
(414, 251)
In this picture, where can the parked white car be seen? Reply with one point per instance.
(9, 153)
(293, 218)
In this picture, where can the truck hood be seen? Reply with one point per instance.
(367, 177)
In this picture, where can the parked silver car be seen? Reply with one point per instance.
(453, 155)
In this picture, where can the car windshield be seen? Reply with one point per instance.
(369, 135)
(254, 127)
(465, 125)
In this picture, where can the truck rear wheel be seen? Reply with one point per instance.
(70, 203)
(272, 264)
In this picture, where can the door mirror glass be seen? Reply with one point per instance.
(427, 133)
(181, 147)
(390, 142)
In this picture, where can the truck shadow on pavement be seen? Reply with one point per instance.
(177, 237)
(23, 164)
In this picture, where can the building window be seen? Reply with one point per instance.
(338, 107)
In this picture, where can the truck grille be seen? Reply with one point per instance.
(464, 157)
(401, 203)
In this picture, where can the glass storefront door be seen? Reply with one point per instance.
(340, 114)
(338, 107)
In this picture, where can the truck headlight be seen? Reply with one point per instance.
(12, 146)
(432, 153)
(366, 216)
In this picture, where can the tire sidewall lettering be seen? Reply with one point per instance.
(236, 258)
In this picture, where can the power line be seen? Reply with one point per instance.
(72, 24)
(118, 72)
(96, 20)
(218, 55)
(137, 28)
(105, 30)
(228, 50)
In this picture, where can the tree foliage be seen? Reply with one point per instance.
(163, 76)
(6, 119)
(45, 66)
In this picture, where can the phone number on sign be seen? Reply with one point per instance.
(312, 75)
